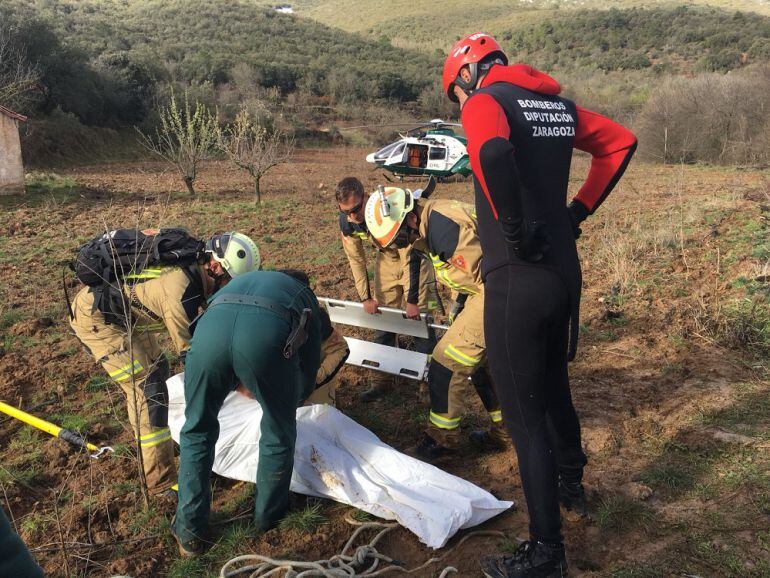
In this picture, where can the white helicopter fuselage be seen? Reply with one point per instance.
(433, 152)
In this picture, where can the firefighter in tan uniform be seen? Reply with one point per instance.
(161, 298)
(446, 231)
(391, 275)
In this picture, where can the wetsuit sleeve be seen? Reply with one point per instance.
(413, 295)
(356, 254)
(611, 145)
(492, 155)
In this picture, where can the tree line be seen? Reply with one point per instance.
(87, 71)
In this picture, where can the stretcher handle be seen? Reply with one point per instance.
(424, 316)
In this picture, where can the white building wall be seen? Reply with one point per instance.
(11, 168)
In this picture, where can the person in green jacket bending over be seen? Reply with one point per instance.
(262, 330)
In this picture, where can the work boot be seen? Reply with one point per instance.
(190, 549)
(530, 560)
(436, 444)
(494, 439)
(379, 384)
(572, 498)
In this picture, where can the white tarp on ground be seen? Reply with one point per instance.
(337, 458)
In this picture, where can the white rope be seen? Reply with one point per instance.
(363, 562)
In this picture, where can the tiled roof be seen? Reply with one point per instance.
(14, 115)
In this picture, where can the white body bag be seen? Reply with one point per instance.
(339, 459)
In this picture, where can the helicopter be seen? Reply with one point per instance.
(429, 149)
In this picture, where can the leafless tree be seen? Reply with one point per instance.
(18, 76)
(711, 117)
(254, 147)
(186, 136)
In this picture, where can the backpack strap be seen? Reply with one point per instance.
(134, 301)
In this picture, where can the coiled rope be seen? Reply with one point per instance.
(363, 562)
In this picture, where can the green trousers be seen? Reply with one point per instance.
(242, 344)
(15, 559)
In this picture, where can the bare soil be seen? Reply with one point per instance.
(657, 386)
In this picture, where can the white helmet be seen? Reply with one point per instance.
(236, 252)
(385, 212)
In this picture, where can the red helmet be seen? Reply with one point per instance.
(470, 50)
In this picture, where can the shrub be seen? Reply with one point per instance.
(713, 118)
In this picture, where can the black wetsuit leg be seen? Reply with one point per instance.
(526, 322)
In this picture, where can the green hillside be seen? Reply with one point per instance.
(428, 25)
(675, 39)
(202, 40)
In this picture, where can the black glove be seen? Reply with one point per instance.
(577, 214)
(529, 240)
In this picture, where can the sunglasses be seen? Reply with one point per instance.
(354, 210)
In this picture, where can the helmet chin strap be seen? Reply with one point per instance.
(219, 280)
(476, 68)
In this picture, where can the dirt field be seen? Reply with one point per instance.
(671, 380)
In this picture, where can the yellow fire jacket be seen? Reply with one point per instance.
(167, 298)
(448, 235)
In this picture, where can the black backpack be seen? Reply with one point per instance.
(105, 260)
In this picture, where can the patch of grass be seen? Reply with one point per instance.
(671, 476)
(124, 451)
(705, 550)
(188, 568)
(49, 183)
(234, 537)
(763, 540)
(637, 571)
(507, 544)
(743, 469)
(147, 521)
(22, 461)
(747, 326)
(8, 340)
(11, 317)
(124, 487)
(97, 383)
(677, 340)
(670, 369)
(607, 335)
(26, 439)
(361, 516)
(34, 525)
(306, 520)
(680, 467)
(705, 491)
(23, 475)
(620, 514)
(71, 421)
(749, 414)
(761, 502)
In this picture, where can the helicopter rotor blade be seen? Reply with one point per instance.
(375, 125)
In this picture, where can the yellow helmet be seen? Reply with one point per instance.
(237, 253)
(385, 212)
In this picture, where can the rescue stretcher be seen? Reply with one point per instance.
(392, 360)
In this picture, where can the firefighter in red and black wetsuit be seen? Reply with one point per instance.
(521, 135)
